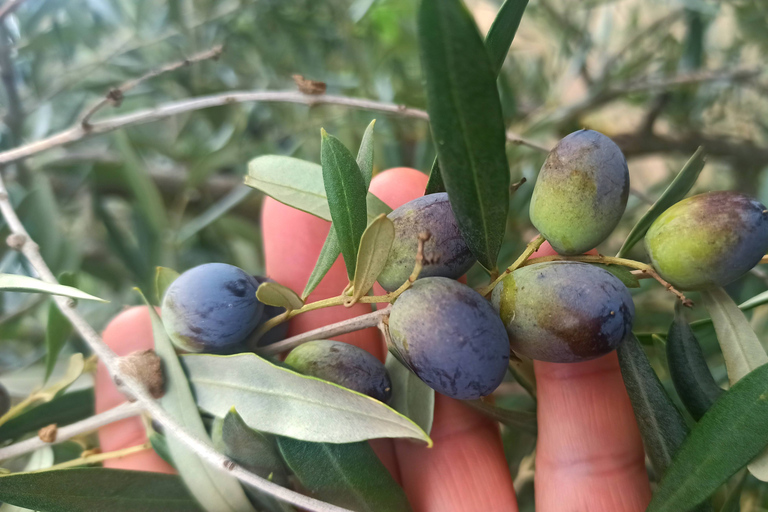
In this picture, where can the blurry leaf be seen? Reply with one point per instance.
(661, 425)
(97, 490)
(521, 368)
(624, 274)
(19, 283)
(345, 188)
(325, 261)
(518, 420)
(160, 445)
(435, 183)
(365, 155)
(372, 256)
(40, 215)
(164, 276)
(40, 459)
(410, 396)
(741, 348)
(503, 30)
(347, 475)
(275, 294)
(676, 191)
(214, 490)
(213, 213)
(299, 184)
(331, 248)
(62, 410)
(466, 123)
(255, 451)
(733, 501)
(688, 367)
(279, 401)
(730, 434)
(58, 329)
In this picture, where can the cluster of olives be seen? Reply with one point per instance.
(456, 340)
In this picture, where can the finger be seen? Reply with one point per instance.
(129, 331)
(292, 242)
(465, 470)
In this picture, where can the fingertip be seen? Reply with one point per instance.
(399, 185)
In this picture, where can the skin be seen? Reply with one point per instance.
(708, 240)
(589, 453)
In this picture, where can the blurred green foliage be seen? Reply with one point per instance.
(660, 78)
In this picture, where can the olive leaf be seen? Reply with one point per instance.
(19, 283)
(690, 374)
(348, 475)
(466, 123)
(410, 396)
(345, 188)
(661, 425)
(214, 490)
(676, 191)
(280, 401)
(64, 409)
(163, 278)
(372, 256)
(213, 213)
(96, 490)
(58, 329)
(725, 439)
(299, 184)
(275, 294)
(497, 43)
(331, 249)
(742, 350)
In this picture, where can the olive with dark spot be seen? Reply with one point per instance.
(342, 364)
(581, 192)
(564, 311)
(278, 332)
(5, 400)
(450, 337)
(708, 240)
(446, 253)
(211, 308)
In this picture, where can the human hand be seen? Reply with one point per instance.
(589, 453)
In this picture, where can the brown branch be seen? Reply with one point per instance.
(115, 95)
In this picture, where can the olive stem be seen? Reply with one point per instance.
(327, 331)
(531, 248)
(99, 457)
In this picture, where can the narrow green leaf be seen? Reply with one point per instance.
(255, 451)
(213, 213)
(624, 274)
(676, 190)
(19, 283)
(688, 367)
(345, 188)
(58, 329)
(279, 401)
(325, 261)
(275, 294)
(435, 183)
(410, 396)
(74, 371)
(503, 30)
(365, 155)
(331, 248)
(214, 490)
(160, 445)
(725, 439)
(347, 475)
(97, 490)
(662, 427)
(519, 420)
(733, 501)
(466, 123)
(372, 255)
(164, 276)
(299, 184)
(65, 409)
(521, 368)
(741, 349)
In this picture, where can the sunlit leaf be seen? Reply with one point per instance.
(279, 401)
(19, 283)
(364, 157)
(372, 256)
(275, 294)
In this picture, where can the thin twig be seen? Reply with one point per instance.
(201, 448)
(327, 331)
(115, 95)
(95, 458)
(8, 7)
(77, 132)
